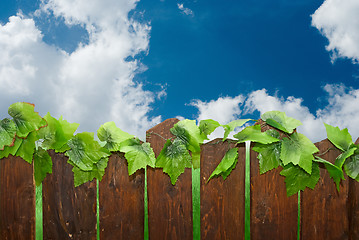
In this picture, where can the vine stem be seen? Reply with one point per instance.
(326, 151)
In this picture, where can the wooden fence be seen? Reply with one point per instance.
(70, 213)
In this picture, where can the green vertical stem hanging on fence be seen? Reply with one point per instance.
(38, 213)
(298, 226)
(247, 204)
(146, 237)
(196, 203)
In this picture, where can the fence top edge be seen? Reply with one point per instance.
(163, 123)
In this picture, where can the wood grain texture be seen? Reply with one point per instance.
(169, 207)
(325, 211)
(17, 199)
(68, 212)
(353, 209)
(121, 201)
(273, 214)
(222, 201)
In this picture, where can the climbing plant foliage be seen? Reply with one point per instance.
(28, 135)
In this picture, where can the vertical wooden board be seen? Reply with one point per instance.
(17, 199)
(325, 211)
(169, 207)
(222, 201)
(121, 201)
(274, 215)
(353, 209)
(68, 212)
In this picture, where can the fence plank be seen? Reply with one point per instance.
(17, 199)
(121, 201)
(68, 212)
(324, 210)
(222, 201)
(354, 208)
(274, 215)
(169, 207)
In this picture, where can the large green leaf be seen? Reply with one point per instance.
(229, 127)
(268, 154)
(174, 158)
(334, 171)
(7, 133)
(297, 179)
(340, 138)
(299, 150)
(97, 171)
(206, 127)
(56, 134)
(25, 118)
(280, 121)
(42, 165)
(112, 135)
(351, 166)
(138, 155)
(227, 164)
(254, 134)
(85, 151)
(27, 147)
(11, 149)
(340, 160)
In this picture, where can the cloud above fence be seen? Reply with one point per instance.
(95, 81)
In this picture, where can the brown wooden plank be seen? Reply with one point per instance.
(17, 199)
(273, 214)
(68, 212)
(121, 201)
(222, 201)
(169, 207)
(325, 211)
(353, 209)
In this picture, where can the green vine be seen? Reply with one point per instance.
(30, 136)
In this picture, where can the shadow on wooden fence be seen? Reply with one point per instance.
(70, 213)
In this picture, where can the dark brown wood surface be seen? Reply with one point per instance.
(353, 207)
(17, 199)
(121, 201)
(68, 212)
(222, 201)
(325, 211)
(169, 207)
(273, 214)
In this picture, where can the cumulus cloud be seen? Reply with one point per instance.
(342, 110)
(184, 10)
(338, 21)
(91, 85)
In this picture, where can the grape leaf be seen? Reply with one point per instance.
(297, 179)
(7, 133)
(351, 166)
(11, 149)
(206, 127)
(97, 171)
(56, 134)
(229, 127)
(227, 164)
(254, 134)
(112, 135)
(25, 118)
(280, 121)
(85, 151)
(334, 171)
(42, 165)
(340, 138)
(298, 149)
(27, 147)
(138, 155)
(340, 160)
(268, 155)
(174, 158)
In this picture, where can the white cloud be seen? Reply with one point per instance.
(184, 10)
(91, 85)
(338, 20)
(342, 110)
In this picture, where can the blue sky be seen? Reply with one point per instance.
(140, 62)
